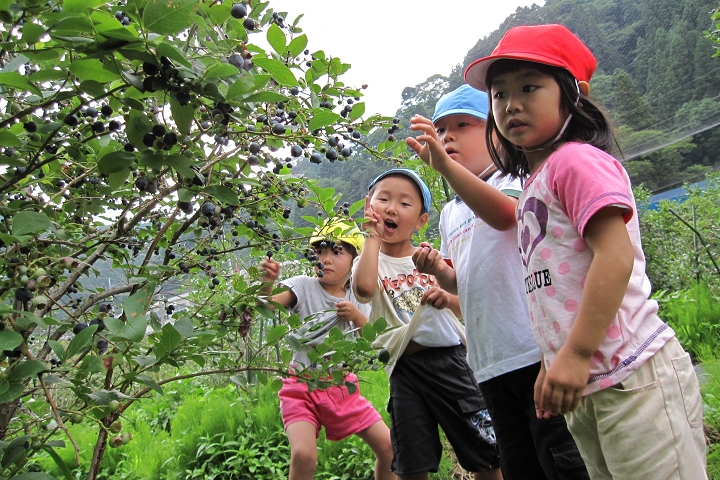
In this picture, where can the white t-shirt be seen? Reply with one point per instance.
(313, 299)
(571, 186)
(397, 300)
(490, 287)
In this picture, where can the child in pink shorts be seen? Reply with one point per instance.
(328, 301)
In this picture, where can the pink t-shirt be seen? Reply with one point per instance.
(574, 183)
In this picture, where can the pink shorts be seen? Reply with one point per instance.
(341, 413)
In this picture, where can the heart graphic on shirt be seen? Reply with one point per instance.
(539, 210)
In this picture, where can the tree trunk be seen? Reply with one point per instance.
(98, 454)
(7, 411)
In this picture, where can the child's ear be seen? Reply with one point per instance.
(584, 88)
(422, 220)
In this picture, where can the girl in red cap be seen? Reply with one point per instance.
(610, 364)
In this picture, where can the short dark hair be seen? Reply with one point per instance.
(417, 188)
(589, 124)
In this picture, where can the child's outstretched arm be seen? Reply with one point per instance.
(365, 276)
(605, 285)
(488, 203)
(428, 260)
(270, 269)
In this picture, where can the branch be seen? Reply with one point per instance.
(59, 420)
(707, 249)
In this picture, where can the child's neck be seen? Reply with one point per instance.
(334, 289)
(398, 250)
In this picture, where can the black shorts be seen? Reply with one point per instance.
(435, 387)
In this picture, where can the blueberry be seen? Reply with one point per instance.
(296, 151)
(238, 10)
(249, 24)
(331, 154)
(158, 130)
(208, 209)
(79, 327)
(316, 157)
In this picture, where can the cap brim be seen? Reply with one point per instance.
(461, 111)
(476, 72)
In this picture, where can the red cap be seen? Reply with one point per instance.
(548, 44)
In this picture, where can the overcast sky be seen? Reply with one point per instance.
(393, 44)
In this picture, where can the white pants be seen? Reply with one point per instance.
(650, 427)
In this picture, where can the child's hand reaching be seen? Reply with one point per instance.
(374, 226)
(347, 311)
(270, 269)
(428, 260)
(559, 389)
(437, 298)
(432, 151)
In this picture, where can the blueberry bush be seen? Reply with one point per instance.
(147, 147)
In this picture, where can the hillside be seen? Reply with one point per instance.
(656, 77)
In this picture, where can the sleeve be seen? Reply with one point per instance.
(298, 285)
(509, 185)
(585, 179)
(443, 231)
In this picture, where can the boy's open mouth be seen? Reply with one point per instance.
(390, 225)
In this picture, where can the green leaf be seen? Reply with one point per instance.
(136, 126)
(276, 39)
(222, 70)
(29, 222)
(322, 117)
(223, 194)
(9, 139)
(15, 80)
(26, 369)
(58, 349)
(32, 32)
(170, 51)
(265, 97)
(297, 45)
(183, 115)
(357, 111)
(80, 341)
(81, 5)
(368, 332)
(9, 339)
(35, 475)
(144, 379)
(48, 74)
(117, 179)
(135, 307)
(276, 384)
(235, 90)
(275, 334)
(279, 71)
(14, 391)
(171, 339)
(380, 325)
(115, 162)
(355, 207)
(58, 461)
(181, 164)
(92, 69)
(184, 326)
(169, 17)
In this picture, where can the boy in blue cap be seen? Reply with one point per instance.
(431, 383)
(478, 260)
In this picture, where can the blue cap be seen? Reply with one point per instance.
(427, 198)
(464, 100)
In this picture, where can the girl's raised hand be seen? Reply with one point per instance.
(428, 145)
